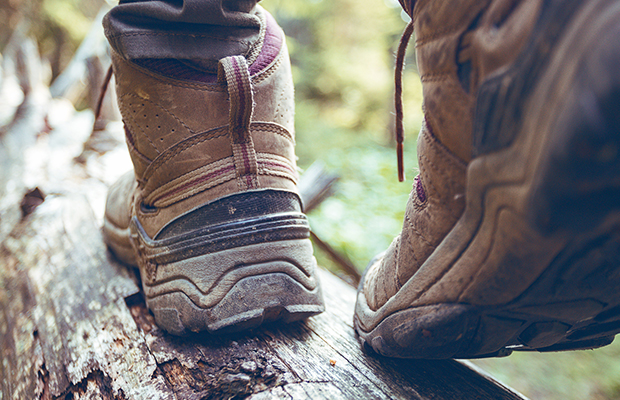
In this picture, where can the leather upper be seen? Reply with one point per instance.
(179, 133)
(459, 44)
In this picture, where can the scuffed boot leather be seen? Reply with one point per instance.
(477, 269)
(211, 213)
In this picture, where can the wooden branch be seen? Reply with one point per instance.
(316, 184)
(341, 260)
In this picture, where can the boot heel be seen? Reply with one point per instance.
(218, 270)
(236, 289)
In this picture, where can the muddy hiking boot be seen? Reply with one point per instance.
(511, 237)
(211, 213)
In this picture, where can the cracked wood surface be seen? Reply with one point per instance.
(73, 322)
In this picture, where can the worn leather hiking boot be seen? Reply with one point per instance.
(511, 239)
(211, 213)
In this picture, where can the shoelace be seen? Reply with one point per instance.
(398, 98)
(102, 92)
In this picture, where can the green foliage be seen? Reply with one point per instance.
(574, 375)
(342, 57)
(58, 25)
(367, 212)
(68, 15)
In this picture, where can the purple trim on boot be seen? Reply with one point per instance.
(419, 189)
(271, 45)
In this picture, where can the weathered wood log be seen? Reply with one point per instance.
(74, 325)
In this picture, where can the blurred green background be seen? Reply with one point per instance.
(342, 54)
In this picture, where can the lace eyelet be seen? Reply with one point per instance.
(419, 189)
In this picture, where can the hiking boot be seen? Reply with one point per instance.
(511, 238)
(211, 214)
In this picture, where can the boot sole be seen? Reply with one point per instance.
(224, 276)
(541, 221)
(236, 289)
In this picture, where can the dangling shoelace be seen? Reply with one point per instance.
(102, 92)
(398, 98)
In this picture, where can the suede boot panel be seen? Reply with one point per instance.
(118, 212)
(163, 123)
(439, 26)
(501, 35)
(427, 219)
(381, 279)
(488, 34)
(160, 112)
